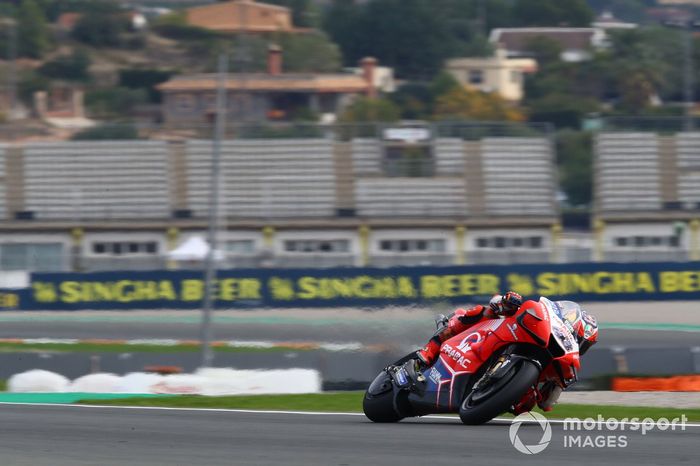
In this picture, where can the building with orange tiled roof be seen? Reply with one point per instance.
(242, 16)
(273, 95)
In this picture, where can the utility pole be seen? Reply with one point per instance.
(210, 263)
(12, 68)
(481, 14)
(688, 94)
(686, 27)
(243, 58)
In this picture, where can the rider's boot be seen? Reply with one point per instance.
(526, 403)
(549, 394)
(426, 356)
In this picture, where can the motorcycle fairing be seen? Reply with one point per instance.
(443, 389)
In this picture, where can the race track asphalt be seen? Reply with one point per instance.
(65, 435)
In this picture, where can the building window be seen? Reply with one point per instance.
(482, 243)
(408, 161)
(413, 245)
(475, 77)
(641, 242)
(42, 257)
(124, 248)
(317, 246)
(535, 242)
(501, 242)
(240, 246)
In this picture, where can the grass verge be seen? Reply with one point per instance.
(351, 402)
(138, 348)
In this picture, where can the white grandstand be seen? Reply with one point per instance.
(285, 202)
(97, 180)
(647, 194)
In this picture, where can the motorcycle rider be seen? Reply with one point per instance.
(501, 306)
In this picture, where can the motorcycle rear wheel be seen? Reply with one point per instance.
(480, 407)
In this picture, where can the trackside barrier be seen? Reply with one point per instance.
(680, 383)
(341, 287)
(205, 381)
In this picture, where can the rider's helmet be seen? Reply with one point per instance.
(587, 331)
(582, 324)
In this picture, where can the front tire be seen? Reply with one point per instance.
(380, 408)
(480, 406)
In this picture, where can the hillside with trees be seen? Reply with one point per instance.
(638, 73)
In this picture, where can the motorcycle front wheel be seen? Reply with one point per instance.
(380, 408)
(487, 402)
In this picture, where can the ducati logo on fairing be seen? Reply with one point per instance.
(513, 328)
(465, 345)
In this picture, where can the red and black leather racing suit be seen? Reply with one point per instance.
(461, 319)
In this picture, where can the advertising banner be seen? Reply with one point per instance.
(252, 288)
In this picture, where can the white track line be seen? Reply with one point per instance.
(304, 413)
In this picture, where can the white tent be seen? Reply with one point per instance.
(194, 249)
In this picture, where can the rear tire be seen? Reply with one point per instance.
(523, 376)
(380, 408)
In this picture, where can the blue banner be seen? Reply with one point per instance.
(251, 288)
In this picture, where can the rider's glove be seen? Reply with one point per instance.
(511, 303)
(507, 305)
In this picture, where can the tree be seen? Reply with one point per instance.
(562, 110)
(409, 35)
(72, 67)
(344, 22)
(467, 104)
(365, 109)
(115, 102)
(101, 29)
(553, 13)
(636, 91)
(147, 79)
(443, 84)
(309, 52)
(415, 101)
(29, 83)
(32, 32)
(575, 159)
(304, 12)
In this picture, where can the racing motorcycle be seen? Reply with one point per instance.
(486, 370)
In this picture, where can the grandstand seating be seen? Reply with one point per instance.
(366, 157)
(410, 197)
(265, 178)
(518, 176)
(97, 180)
(276, 178)
(377, 195)
(627, 172)
(449, 157)
(688, 159)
